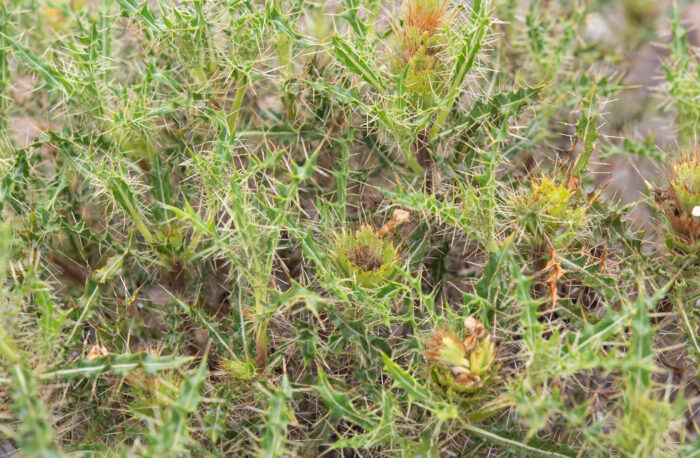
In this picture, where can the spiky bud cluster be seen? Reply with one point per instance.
(546, 208)
(680, 203)
(366, 257)
(420, 49)
(462, 365)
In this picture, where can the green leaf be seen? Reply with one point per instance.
(402, 379)
(125, 197)
(220, 337)
(356, 63)
(34, 435)
(352, 7)
(131, 8)
(172, 435)
(540, 448)
(464, 63)
(283, 133)
(340, 405)
(587, 130)
(53, 78)
(162, 192)
(490, 112)
(279, 416)
(419, 392)
(297, 293)
(120, 365)
(50, 321)
(641, 348)
(93, 289)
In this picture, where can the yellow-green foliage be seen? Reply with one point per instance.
(185, 172)
(548, 207)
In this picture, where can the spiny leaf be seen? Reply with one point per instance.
(340, 405)
(162, 192)
(463, 65)
(492, 111)
(279, 416)
(120, 365)
(50, 318)
(121, 191)
(405, 381)
(356, 63)
(352, 7)
(52, 77)
(93, 289)
(132, 8)
(587, 130)
(34, 435)
(172, 435)
(538, 448)
(641, 345)
(298, 293)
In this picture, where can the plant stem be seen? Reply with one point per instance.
(412, 163)
(284, 47)
(232, 119)
(261, 338)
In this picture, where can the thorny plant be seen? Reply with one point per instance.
(371, 228)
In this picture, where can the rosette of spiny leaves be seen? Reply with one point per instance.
(548, 207)
(420, 50)
(366, 257)
(680, 203)
(463, 366)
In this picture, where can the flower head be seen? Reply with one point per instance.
(366, 257)
(546, 208)
(462, 365)
(420, 49)
(680, 203)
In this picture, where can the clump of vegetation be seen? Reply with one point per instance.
(381, 228)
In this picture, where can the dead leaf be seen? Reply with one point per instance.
(96, 351)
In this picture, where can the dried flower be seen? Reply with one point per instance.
(96, 351)
(463, 366)
(399, 217)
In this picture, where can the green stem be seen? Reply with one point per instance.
(284, 48)
(412, 162)
(232, 119)
(442, 116)
(261, 338)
